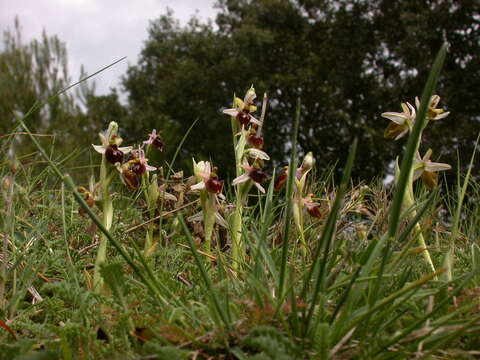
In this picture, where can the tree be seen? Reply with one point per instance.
(34, 72)
(348, 61)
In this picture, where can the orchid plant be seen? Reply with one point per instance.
(249, 160)
(302, 202)
(423, 168)
(112, 154)
(210, 190)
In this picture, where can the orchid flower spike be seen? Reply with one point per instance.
(110, 145)
(401, 123)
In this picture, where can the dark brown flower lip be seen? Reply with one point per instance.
(258, 176)
(113, 155)
(137, 167)
(243, 117)
(280, 181)
(255, 141)
(214, 185)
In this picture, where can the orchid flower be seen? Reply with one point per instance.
(401, 123)
(155, 139)
(251, 173)
(208, 179)
(110, 145)
(300, 175)
(243, 109)
(427, 170)
(314, 209)
(139, 163)
(210, 188)
(134, 168)
(433, 113)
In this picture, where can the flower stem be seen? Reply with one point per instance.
(209, 221)
(238, 249)
(107, 218)
(409, 201)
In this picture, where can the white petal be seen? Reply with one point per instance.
(397, 118)
(417, 102)
(255, 121)
(198, 186)
(150, 168)
(434, 101)
(241, 179)
(99, 148)
(125, 149)
(256, 153)
(231, 112)
(412, 110)
(434, 167)
(259, 187)
(441, 116)
(402, 134)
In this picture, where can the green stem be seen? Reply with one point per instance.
(107, 218)
(209, 221)
(241, 190)
(409, 201)
(238, 249)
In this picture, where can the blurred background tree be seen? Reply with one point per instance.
(347, 60)
(32, 73)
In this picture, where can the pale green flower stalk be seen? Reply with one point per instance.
(299, 199)
(151, 197)
(152, 193)
(248, 160)
(210, 188)
(423, 168)
(111, 155)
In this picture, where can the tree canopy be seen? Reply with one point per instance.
(348, 61)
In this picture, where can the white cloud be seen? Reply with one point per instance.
(97, 32)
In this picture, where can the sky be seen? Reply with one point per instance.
(97, 32)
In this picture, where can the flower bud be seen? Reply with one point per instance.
(6, 182)
(112, 130)
(308, 162)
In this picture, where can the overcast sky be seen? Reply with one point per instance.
(97, 32)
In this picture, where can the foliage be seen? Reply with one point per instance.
(347, 60)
